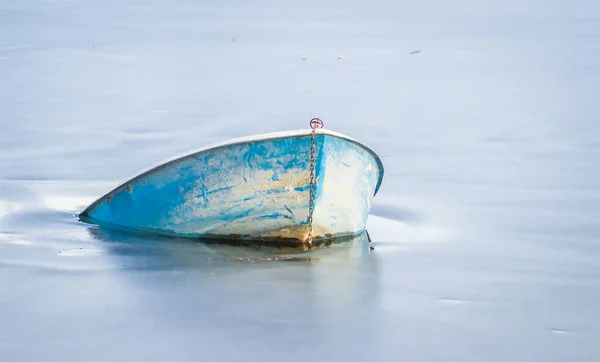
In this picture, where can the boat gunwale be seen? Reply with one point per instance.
(235, 141)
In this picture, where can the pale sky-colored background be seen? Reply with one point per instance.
(485, 231)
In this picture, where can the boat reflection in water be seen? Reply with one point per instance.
(231, 290)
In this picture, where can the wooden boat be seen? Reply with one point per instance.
(253, 188)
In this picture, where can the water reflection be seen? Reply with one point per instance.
(245, 293)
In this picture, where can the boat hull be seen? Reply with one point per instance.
(252, 189)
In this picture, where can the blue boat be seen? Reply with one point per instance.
(255, 189)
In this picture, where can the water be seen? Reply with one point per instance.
(484, 234)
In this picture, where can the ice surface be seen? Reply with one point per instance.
(485, 233)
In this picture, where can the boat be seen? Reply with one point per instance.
(293, 186)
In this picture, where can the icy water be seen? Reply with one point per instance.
(485, 234)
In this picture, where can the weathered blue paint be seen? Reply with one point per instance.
(255, 188)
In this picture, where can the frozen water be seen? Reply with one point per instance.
(485, 234)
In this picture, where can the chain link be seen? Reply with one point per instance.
(315, 123)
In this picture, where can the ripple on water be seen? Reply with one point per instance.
(451, 301)
(81, 252)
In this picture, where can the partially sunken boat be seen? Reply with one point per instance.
(253, 188)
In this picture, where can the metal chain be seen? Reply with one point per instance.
(315, 123)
